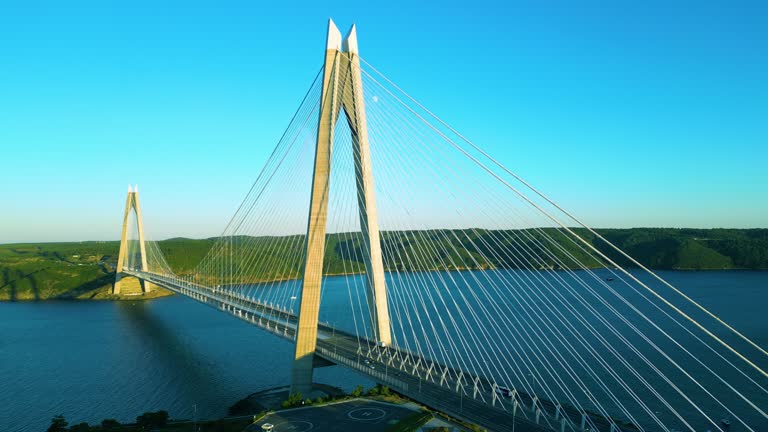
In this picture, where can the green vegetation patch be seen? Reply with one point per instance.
(85, 270)
(412, 423)
(153, 421)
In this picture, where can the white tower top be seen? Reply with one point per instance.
(350, 42)
(334, 37)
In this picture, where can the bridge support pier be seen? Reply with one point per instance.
(131, 205)
(342, 91)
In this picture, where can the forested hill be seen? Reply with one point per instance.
(657, 248)
(86, 269)
(692, 249)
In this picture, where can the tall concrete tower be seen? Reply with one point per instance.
(342, 89)
(131, 204)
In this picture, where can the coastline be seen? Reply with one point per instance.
(103, 293)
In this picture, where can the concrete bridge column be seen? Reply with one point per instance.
(342, 88)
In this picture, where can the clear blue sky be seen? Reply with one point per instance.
(630, 114)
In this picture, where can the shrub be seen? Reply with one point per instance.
(294, 399)
(152, 419)
(110, 424)
(58, 424)
(240, 407)
(82, 427)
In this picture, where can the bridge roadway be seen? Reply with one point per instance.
(456, 393)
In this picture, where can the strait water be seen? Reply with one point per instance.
(96, 360)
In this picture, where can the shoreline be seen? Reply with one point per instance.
(162, 293)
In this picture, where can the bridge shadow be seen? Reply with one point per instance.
(91, 287)
(33, 285)
(12, 283)
(173, 357)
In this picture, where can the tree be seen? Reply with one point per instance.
(357, 392)
(58, 424)
(110, 424)
(240, 407)
(294, 399)
(82, 427)
(152, 419)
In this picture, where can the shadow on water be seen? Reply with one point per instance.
(177, 359)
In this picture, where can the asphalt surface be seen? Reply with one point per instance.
(347, 416)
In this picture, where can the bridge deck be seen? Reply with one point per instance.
(457, 393)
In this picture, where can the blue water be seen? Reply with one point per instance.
(96, 360)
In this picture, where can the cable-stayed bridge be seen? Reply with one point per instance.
(468, 289)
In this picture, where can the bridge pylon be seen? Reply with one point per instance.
(342, 92)
(131, 205)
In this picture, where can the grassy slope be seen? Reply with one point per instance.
(55, 270)
(85, 270)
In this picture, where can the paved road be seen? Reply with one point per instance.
(411, 378)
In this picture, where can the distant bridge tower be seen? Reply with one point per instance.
(342, 88)
(131, 204)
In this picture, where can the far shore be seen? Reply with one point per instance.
(104, 293)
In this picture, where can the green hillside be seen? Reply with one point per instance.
(85, 270)
(693, 249)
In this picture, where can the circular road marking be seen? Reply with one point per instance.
(294, 426)
(366, 414)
